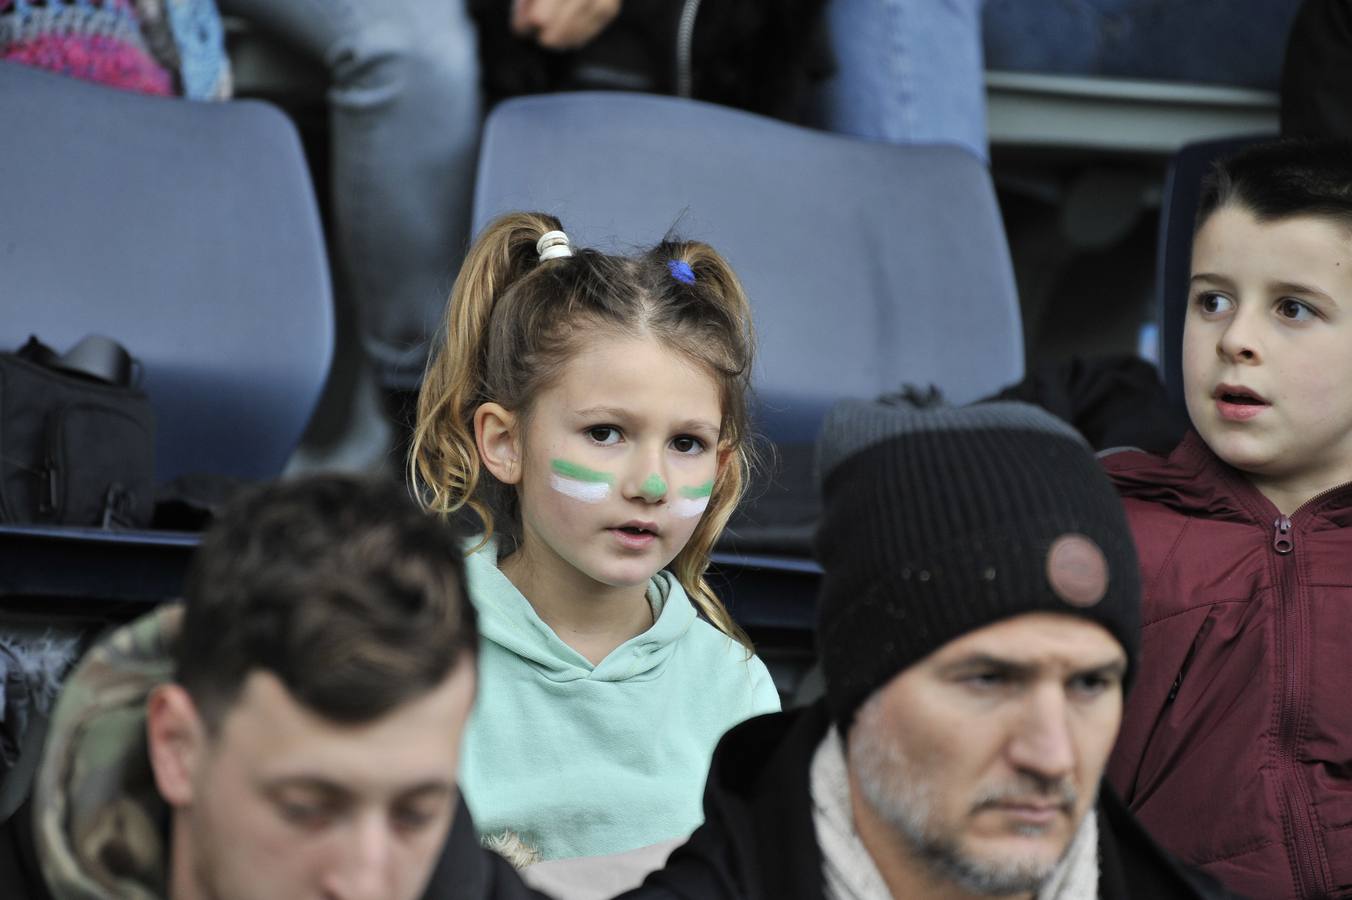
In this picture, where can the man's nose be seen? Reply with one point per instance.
(362, 861)
(1042, 743)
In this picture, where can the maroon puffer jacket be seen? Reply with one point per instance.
(1236, 746)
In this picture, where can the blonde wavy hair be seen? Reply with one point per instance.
(513, 323)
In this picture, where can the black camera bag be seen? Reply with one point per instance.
(77, 437)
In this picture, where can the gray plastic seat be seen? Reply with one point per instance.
(186, 231)
(189, 233)
(869, 265)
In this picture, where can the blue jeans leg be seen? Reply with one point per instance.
(907, 71)
(405, 122)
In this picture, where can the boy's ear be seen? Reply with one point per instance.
(177, 740)
(495, 433)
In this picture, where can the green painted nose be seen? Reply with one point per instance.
(653, 487)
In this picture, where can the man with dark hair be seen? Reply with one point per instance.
(292, 730)
(977, 629)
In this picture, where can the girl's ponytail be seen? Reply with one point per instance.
(730, 343)
(443, 457)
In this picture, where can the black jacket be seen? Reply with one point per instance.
(465, 871)
(758, 841)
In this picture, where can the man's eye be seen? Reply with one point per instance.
(687, 444)
(986, 680)
(304, 815)
(411, 819)
(1090, 685)
(604, 434)
(1294, 310)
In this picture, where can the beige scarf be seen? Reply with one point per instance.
(849, 871)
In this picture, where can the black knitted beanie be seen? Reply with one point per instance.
(939, 521)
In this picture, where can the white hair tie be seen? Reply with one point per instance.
(553, 245)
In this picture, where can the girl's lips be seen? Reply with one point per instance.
(1239, 412)
(633, 540)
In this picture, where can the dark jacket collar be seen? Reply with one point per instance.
(758, 841)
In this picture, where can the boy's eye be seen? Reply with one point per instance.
(1214, 303)
(1294, 310)
(687, 444)
(604, 434)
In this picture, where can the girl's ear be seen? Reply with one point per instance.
(724, 457)
(495, 433)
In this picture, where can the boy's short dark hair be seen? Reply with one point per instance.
(341, 587)
(1279, 179)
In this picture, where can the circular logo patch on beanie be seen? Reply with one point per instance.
(1077, 570)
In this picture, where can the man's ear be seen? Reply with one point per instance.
(495, 433)
(177, 740)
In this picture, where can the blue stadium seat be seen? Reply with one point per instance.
(869, 265)
(189, 233)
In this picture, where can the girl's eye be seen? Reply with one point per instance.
(1294, 310)
(604, 434)
(1211, 303)
(687, 444)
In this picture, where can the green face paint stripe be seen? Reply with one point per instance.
(653, 485)
(699, 490)
(580, 473)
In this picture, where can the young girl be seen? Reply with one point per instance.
(591, 409)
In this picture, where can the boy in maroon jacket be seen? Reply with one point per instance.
(1236, 745)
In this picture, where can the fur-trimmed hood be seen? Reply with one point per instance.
(99, 822)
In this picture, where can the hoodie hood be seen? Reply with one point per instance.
(99, 821)
(507, 619)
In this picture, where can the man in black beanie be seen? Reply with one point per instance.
(977, 629)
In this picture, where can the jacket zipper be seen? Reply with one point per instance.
(685, 49)
(1297, 806)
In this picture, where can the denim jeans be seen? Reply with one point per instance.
(907, 71)
(405, 121)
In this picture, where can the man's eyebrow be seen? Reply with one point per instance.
(985, 661)
(331, 790)
(429, 788)
(1115, 667)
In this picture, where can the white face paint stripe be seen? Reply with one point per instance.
(586, 491)
(689, 507)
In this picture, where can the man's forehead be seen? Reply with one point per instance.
(269, 732)
(1035, 638)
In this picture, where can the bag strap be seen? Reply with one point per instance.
(95, 356)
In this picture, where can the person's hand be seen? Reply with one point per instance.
(562, 24)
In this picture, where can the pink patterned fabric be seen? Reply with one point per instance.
(94, 40)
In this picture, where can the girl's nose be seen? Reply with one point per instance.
(653, 488)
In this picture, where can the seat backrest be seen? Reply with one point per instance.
(186, 231)
(1173, 254)
(868, 265)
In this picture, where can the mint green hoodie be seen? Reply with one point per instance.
(581, 760)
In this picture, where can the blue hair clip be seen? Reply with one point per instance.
(681, 271)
